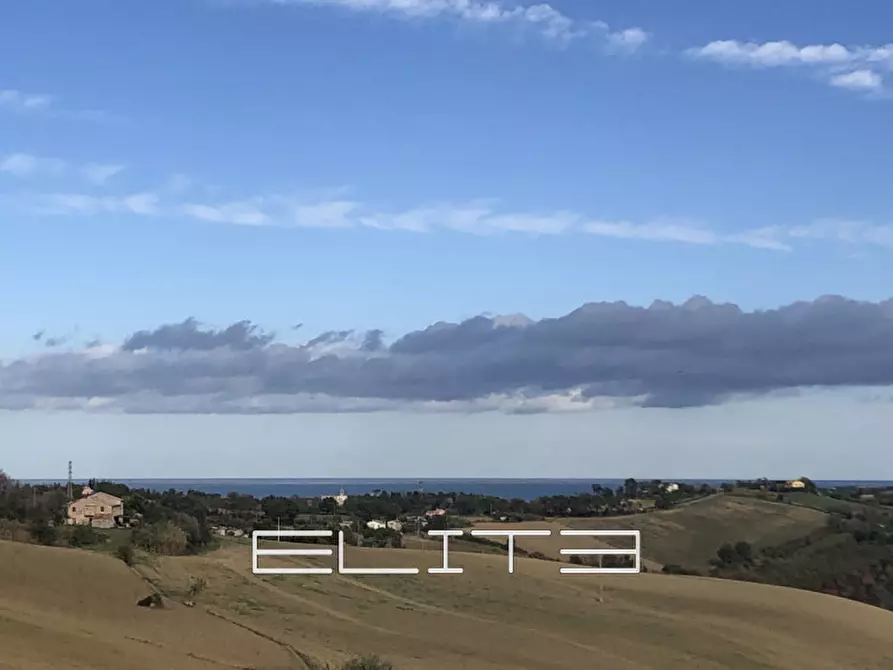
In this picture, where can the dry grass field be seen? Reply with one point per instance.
(76, 609)
(688, 535)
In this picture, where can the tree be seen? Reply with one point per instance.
(163, 538)
(727, 554)
(326, 506)
(437, 522)
(810, 486)
(630, 488)
(744, 551)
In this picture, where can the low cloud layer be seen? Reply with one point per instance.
(600, 355)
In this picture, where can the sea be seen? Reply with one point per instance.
(524, 489)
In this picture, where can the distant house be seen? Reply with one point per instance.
(395, 525)
(376, 525)
(435, 512)
(671, 488)
(101, 510)
(796, 484)
(339, 499)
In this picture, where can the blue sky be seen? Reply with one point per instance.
(374, 164)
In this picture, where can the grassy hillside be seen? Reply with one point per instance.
(689, 534)
(74, 609)
(851, 556)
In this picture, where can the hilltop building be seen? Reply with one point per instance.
(100, 510)
(339, 499)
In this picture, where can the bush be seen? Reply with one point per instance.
(367, 663)
(42, 533)
(673, 569)
(84, 536)
(197, 586)
(126, 553)
(15, 531)
(359, 663)
(162, 538)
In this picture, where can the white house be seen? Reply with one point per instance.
(376, 525)
(671, 488)
(395, 525)
(339, 499)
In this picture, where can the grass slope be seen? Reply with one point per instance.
(690, 534)
(687, 535)
(66, 608)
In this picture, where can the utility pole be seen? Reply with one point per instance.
(70, 484)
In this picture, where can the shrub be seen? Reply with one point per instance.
(197, 586)
(84, 536)
(16, 531)
(359, 663)
(126, 553)
(673, 569)
(367, 663)
(162, 538)
(42, 532)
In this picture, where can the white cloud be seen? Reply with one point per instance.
(476, 217)
(333, 214)
(47, 106)
(628, 40)
(246, 213)
(859, 233)
(24, 102)
(80, 204)
(26, 165)
(99, 173)
(858, 79)
(855, 68)
(550, 23)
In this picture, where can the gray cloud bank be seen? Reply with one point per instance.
(600, 355)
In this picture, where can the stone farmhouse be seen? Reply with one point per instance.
(100, 510)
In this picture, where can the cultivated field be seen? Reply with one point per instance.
(76, 609)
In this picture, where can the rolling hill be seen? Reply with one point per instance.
(687, 535)
(76, 609)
